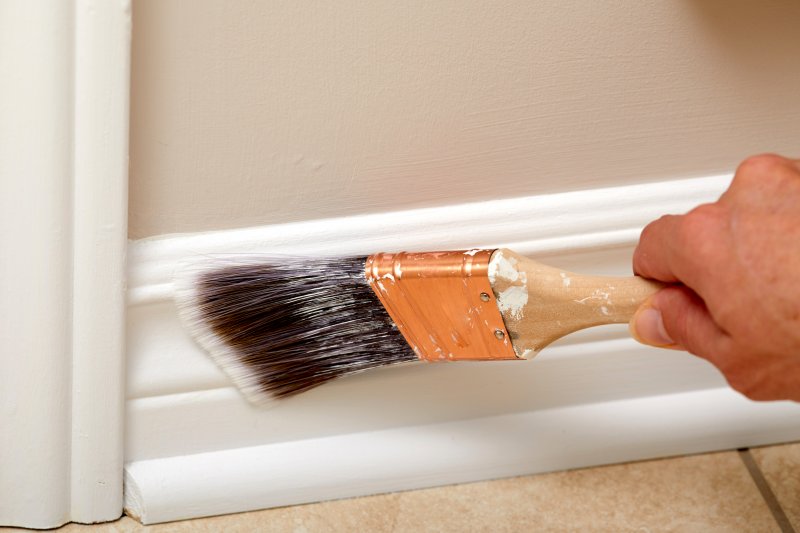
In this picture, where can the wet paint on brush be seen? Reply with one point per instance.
(282, 326)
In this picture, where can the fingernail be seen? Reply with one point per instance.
(648, 327)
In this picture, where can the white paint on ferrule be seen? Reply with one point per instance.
(513, 300)
(525, 353)
(503, 268)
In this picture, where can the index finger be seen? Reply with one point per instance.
(691, 249)
(651, 259)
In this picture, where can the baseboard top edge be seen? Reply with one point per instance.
(542, 223)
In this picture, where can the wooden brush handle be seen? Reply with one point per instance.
(541, 304)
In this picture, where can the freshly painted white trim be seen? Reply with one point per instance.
(63, 189)
(571, 374)
(586, 231)
(585, 400)
(356, 464)
(542, 225)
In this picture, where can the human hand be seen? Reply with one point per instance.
(736, 266)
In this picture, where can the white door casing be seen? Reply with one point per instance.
(64, 105)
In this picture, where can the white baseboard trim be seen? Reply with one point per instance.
(194, 447)
(216, 418)
(544, 225)
(357, 464)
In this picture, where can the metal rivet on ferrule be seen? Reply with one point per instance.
(484, 297)
(499, 334)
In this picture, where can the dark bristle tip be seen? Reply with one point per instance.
(292, 324)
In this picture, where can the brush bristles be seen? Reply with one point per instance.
(280, 326)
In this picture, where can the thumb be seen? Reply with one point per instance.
(677, 318)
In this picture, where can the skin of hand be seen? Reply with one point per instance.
(734, 266)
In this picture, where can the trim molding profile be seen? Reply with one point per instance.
(194, 447)
(543, 225)
(63, 222)
(357, 464)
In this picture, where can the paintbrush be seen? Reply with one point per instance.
(279, 326)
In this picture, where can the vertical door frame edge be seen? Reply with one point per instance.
(100, 213)
(63, 206)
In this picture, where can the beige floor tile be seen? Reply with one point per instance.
(700, 493)
(704, 493)
(781, 468)
(370, 514)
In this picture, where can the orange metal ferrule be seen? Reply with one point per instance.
(442, 302)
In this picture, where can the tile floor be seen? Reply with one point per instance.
(750, 491)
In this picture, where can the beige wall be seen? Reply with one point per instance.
(247, 113)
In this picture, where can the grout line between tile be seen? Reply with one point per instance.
(766, 492)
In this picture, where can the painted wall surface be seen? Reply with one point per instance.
(247, 113)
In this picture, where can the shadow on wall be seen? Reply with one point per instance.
(762, 37)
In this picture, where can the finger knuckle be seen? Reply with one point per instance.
(652, 227)
(761, 164)
(698, 226)
(758, 168)
(650, 231)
